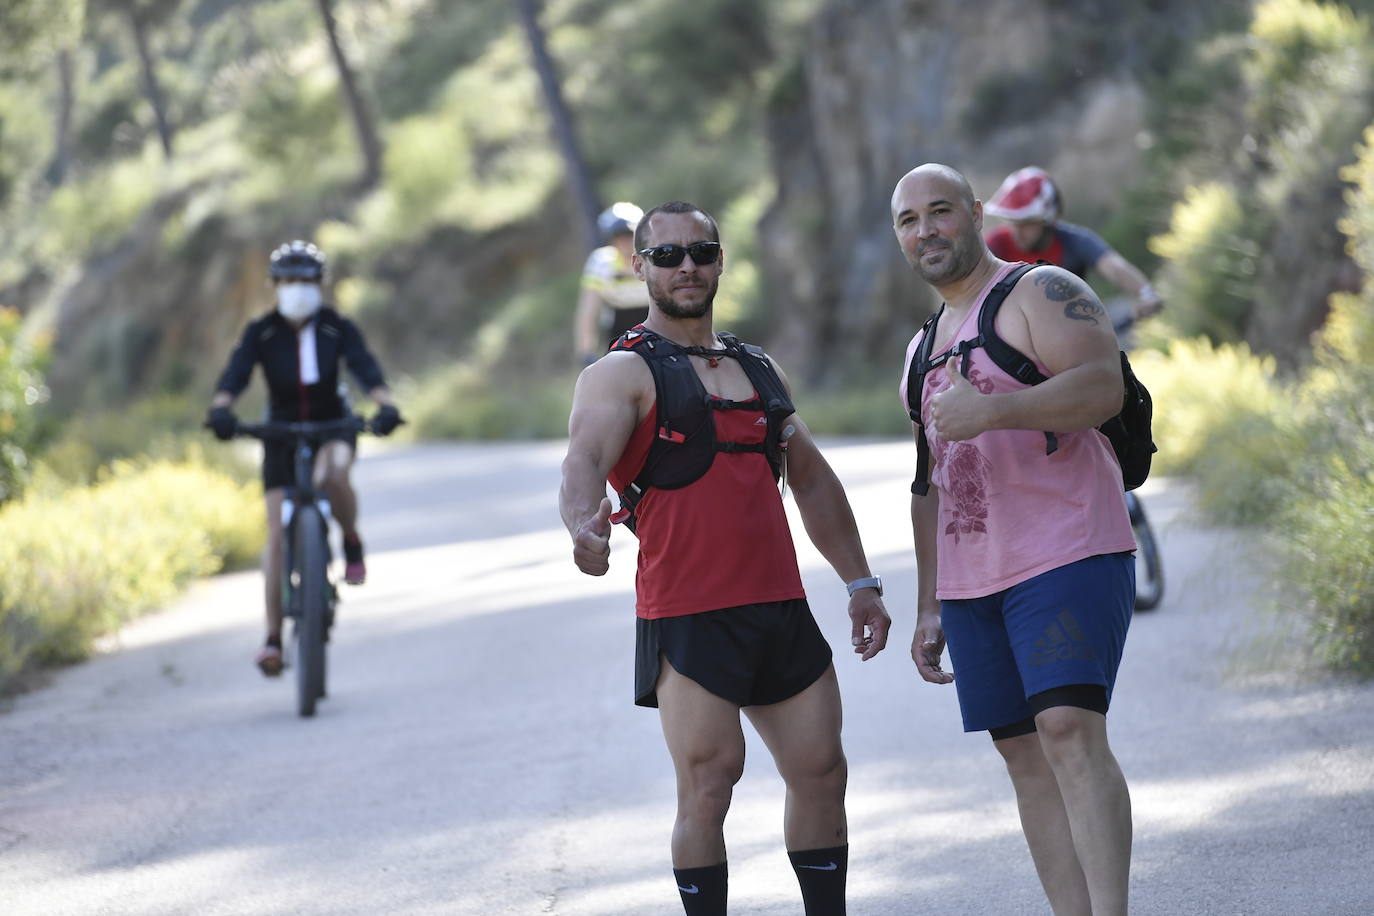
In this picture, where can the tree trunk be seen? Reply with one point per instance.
(150, 83)
(368, 140)
(564, 131)
(57, 169)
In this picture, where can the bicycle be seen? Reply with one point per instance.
(1149, 567)
(309, 594)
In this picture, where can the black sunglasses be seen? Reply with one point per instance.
(702, 253)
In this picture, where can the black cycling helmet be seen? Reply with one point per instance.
(619, 218)
(296, 260)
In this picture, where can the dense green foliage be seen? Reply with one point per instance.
(1250, 140)
(76, 563)
(22, 394)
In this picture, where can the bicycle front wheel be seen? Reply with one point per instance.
(1149, 565)
(313, 589)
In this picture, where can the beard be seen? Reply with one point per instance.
(673, 309)
(960, 258)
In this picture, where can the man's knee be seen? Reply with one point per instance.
(706, 784)
(821, 770)
(1070, 733)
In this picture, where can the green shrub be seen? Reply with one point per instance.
(1331, 535)
(1210, 264)
(22, 392)
(165, 427)
(460, 402)
(866, 410)
(77, 564)
(1197, 386)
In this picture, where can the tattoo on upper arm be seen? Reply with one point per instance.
(1060, 288)
(1080, 306)
(1084, 310)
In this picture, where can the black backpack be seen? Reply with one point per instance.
(1128, 431)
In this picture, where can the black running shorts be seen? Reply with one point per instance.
(752, 655)
(279, 459)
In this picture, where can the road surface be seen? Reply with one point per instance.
(480, 753)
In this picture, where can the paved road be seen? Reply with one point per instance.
(480, 753)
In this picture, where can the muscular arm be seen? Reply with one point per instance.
(606, 407)
(830, 524)
(1051, 316)
(1128, 278)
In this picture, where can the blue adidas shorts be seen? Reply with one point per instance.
(1062, 627)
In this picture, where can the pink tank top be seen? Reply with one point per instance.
(1008, 511)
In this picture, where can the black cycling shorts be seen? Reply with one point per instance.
(279, 459)
(752, 655)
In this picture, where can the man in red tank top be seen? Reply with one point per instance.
(1023, 555)
(723, 624)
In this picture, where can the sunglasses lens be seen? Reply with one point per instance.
(704, 252)
(667, 255)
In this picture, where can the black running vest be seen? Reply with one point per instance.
(685, 443)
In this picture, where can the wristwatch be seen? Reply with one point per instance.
(867, 582)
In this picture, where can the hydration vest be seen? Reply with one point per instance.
(685, 444)
(1128, 431)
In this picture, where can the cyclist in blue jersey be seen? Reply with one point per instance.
(1030, 202)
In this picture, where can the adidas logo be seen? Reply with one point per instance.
(1063, 640)
(761, 421)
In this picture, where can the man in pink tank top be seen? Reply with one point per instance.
(1023, 550)
(690, 427)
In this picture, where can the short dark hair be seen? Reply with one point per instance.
(674, 206)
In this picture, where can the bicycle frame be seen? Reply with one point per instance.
(308, 594)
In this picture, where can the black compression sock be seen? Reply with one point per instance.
(821, 874)
(703, 889)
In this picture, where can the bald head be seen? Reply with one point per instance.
(938, 174)
(938, 223)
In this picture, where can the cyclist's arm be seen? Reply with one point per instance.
(381, 396)
(239, 370)
(587, 324)
(361, 362)
(1129, 278)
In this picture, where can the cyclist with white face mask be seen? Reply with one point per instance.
(299, 345)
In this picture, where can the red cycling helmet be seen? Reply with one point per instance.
(1027, 193)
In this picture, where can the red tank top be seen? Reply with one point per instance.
(722, 540)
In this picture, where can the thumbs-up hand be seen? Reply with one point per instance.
(592, 542)
(957, 412)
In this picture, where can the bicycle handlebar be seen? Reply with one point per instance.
(288, 429)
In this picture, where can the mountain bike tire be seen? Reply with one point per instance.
(313, 588)
(1149, 569)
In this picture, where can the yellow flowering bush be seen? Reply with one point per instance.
(75, 564)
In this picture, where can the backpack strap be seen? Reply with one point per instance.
(1009, 359)
(772, 393)
(915, 386)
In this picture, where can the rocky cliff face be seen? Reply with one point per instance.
(985, 87)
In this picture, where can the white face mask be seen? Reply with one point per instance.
(298, 301)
